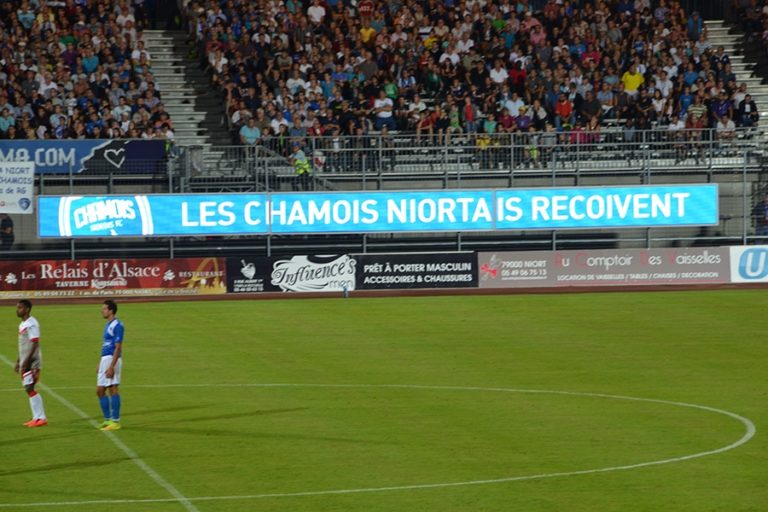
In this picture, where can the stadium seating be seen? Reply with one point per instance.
(75, 70)
(446, 68)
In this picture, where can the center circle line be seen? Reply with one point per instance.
(749, 433)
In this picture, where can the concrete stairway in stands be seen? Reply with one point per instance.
(196, 111)
(719, 34)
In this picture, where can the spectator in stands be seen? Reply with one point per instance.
(632, 80)
(721, 107)
(507, 123)
(85, 56)
(465, 54)
(383, 107)
(539, 115)
(425, 124)
(241, 115)
(564, 115)
(760, 216)
(498, 74)
(676, 130)
(469, 115)
(695, 123)
(644, 104)
(523, 120)
(747, 113)
(6, 121)
(607, 100)
(591, 108)
(725, 129)
(297, 131)
(249, 132)
(7, 236)
(415, 108)
(695, 26)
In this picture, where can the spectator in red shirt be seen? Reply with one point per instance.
(425, 124)
(365, 9)
(563, 113)
(506, 122)
(469, 115)
(517, 76)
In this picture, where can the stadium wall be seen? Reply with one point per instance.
(345, 274)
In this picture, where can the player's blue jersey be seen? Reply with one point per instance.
(113, 334)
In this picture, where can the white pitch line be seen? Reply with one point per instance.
(749, 433)
(162, 482)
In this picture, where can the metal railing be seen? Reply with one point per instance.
(101, 177)
(398, 160)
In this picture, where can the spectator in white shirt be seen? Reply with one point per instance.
(515, 103)
(451, 55)
(125, 16)
(46, 85)
(383, 107)
(740, 94)
(416, 107)
(296, 83)
(498, 74)
(398, 35)
(316, 12)
(217, 60)
(726, 128)
(139, 51)
(664, 84)
(277, 121)
(465, 43)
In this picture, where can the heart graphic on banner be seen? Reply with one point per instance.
(115, 156)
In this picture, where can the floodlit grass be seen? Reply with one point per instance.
(195, 410)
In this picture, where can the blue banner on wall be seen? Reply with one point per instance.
(378, 212)
(76, 156)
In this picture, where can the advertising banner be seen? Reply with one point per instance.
(112, 277)
(403, 271)
(76, 156)
(692, 265)
(17, 187)
(291, 274)
(749, 264)
(351, 272)
(380, 211)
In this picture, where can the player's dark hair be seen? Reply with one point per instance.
(111, 305)
(26, 304)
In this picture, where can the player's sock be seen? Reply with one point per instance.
(36, 404)
(104, 403)
(115, 399)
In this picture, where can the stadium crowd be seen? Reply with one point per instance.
(291, 69)
(77, 69)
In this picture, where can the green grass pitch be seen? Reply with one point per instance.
(197, 414)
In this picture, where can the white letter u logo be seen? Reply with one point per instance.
(754, 264)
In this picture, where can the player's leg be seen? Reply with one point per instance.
(113, 423)
(29, 379)
(102, 383)
(101, 393)
(114, 398)
(115, 402)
